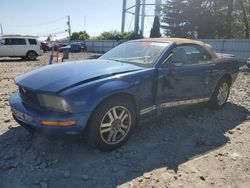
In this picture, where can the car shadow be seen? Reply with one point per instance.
(171, 140)
(14, 60)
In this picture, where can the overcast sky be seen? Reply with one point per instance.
(41, 17)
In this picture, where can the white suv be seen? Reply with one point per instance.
(25, 47)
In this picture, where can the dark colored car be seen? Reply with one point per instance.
(137, 80)
(248, 62)
(45, 47)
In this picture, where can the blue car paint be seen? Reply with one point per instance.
(135, 84)
(41, 115)
(148, 87)
(53, 78)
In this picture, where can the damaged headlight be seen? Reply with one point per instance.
(54, 103)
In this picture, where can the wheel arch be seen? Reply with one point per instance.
(228, 77)
(118, 94)
(31, 51)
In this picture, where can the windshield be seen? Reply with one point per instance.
(141, 53)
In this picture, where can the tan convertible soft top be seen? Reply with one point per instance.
(178, 41)
(181, 41)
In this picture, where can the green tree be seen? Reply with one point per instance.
(206, 18)
(155, 31)
(116, 35)
(83, 35)
(75, 36)
(49, 38)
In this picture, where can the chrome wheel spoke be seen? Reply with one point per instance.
(124, 126)
(110, 116)
(122, 114)
(107, 129)
(114, 113)
(114, 136)
(121, 131)
(104, 125)
(110, 136)
(124, 117)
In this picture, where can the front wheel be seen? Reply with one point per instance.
(111, 124)
(221, 94)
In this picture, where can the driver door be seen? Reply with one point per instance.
(185, 78)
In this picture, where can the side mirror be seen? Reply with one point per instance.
(2, 42)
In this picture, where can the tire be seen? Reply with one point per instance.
(107, 131)
(220, 94)
(248, 65)
(31, 55)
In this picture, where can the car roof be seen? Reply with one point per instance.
(17, 37)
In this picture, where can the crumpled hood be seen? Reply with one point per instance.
(53, 78)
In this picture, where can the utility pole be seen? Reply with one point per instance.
(158, 8)
(1, 29)
(142, 17)
(69, 27)
(124, 7)
(137, 16)
(85, 23)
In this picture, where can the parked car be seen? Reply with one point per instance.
(45, 47)
(75, 48)
(248, 63)
(83, 47)
(137, 80)
(25, 47)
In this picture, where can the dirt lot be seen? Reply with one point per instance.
(190, 148)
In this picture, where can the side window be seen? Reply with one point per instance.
(19, 41)
(15, 41)
(32, 41)
(8, 41)
(191, 54)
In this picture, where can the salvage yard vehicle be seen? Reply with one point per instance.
(248, 63)
(105, 98)
(25, 47)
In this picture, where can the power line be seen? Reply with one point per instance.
(40, 24)
(51, 30)
(54, 33)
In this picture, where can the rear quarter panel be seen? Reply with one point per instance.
(226, 66)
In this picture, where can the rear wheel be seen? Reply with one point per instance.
(31, 55)
(111, 124)
(221, 94)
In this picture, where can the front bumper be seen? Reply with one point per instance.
(30, 118)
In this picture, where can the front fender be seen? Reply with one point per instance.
(108, 89)
(86, 98)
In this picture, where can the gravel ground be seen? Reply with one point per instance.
(193, 147)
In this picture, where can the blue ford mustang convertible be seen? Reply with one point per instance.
(105, 98)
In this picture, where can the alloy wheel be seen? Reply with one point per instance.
(222, 93)
(115, 125)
